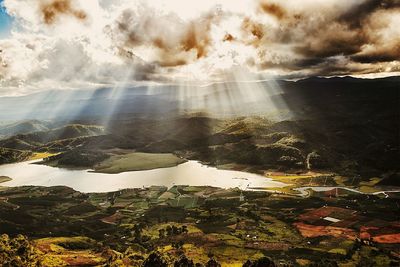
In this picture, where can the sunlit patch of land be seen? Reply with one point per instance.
(137, 162)
(41, 155)
(298, 180)
(298, 135)
(313, 183)
(125, 227)
(370, 186)
(69, 251)
(4, 179)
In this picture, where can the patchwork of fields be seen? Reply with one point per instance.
(228, 226)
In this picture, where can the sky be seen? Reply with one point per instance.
(5, 21)
(54, 44)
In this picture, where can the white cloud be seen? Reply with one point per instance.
(89, 43)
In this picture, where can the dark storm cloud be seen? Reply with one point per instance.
(357, 34)
(331, 40)
(356, 15)
(309, 38)
(378, 56)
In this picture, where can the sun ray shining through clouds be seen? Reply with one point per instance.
(166, 42)
(199, 133)
(116, 96)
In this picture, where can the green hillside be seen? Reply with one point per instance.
(12, 155)
(36, 139)
(24, 127)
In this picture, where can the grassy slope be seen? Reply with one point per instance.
(4, 179)
(218, 224)
(36, 139)
(20, 147)
(41, 155)
(137, 162)
(13, 155)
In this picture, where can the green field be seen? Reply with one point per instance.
(137, 162)
(123, 228)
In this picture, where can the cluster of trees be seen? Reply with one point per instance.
(140, 238)
(156, 259)
(172, 231)
(78, 158)
(18, 251)
(137, 234)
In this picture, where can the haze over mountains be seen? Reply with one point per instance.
(346, 125)
(161, 133)
(278, 100)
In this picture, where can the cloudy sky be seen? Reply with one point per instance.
(48, 44)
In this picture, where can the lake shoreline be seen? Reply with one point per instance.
(190, 173)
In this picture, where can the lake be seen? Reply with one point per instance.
(189, 173)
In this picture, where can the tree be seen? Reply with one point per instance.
(175, 230)
(161, 233)
(183, 262)
(169, 230)
(154, 260)
(331, 263)
(137, 233)
(178, 245)
(18, 252)
(263, 262)
(212, 263)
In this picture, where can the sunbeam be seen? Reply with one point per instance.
(199, 133)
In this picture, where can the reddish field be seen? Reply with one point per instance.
(113, 219)
(386, 235)
(317, 214)
(80, 260)
(387, 239)
(308, 230)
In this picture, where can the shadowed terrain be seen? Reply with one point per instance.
(339, 133)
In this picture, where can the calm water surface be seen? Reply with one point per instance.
(190, 173)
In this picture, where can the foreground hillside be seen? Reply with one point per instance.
(137, 227)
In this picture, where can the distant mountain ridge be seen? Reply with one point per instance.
(32, 140)
(24, 127)
(166, 100)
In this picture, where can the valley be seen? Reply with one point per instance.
(212, 133)
(317, 185)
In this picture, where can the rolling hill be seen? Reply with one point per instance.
(23, 127)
